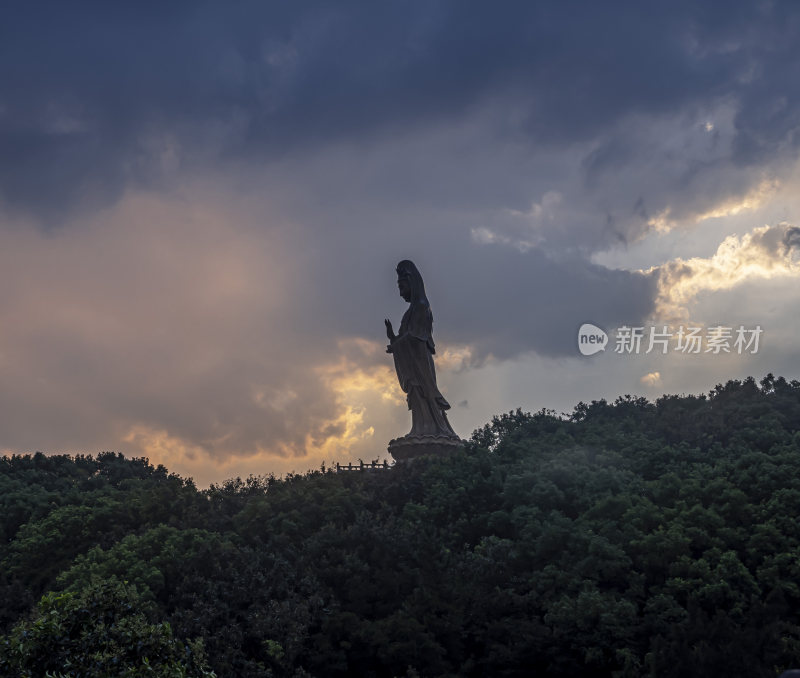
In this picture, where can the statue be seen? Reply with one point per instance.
(413, 349)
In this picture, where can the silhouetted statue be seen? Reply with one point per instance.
(413, 350)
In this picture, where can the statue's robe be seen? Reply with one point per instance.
(413, 351)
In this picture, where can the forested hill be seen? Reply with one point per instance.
(629, 539)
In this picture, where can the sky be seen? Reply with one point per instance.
(202, 206)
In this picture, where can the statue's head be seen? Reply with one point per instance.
(409, 282)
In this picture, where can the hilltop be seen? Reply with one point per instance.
(630, 538)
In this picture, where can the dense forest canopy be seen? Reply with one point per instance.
(628, 539)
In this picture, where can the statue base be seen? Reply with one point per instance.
(412, 446)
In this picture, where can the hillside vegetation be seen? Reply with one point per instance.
(628, 539)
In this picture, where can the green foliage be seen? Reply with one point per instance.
(101, 631)
(628, 539)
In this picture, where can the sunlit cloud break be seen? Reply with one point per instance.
(765, 252)
(663, 222)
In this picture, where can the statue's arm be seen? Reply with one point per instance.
(390, 334)
(419, 329)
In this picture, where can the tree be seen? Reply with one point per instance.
(101, 631)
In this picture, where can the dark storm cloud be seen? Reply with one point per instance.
(95, 96)
(537, 304)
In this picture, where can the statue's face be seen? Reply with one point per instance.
(404, 285)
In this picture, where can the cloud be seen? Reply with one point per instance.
(651, 379)
(753, 199)
(159, 316)
(510, 303)
(113, 101)
(766, 252)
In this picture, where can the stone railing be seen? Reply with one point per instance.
(361, 466)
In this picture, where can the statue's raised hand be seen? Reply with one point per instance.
(390, 334)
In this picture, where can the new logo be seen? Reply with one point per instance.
(591, 339)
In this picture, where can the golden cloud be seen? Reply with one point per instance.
(194, 461)
(651, 379)
(663, 222)
(765, 252)
(752, 200)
